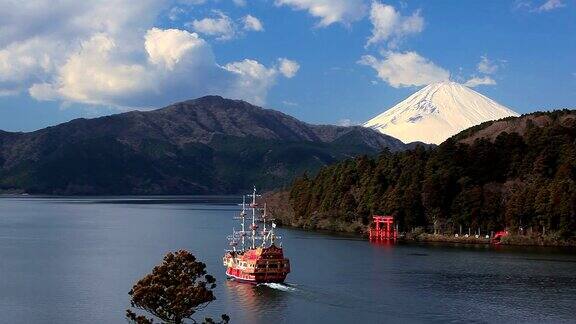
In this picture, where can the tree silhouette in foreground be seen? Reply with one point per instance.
(174, 291)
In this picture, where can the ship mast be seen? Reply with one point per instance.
(243, 216)
(269, 235)
(264, 231)
(254, 226)
(264, 220)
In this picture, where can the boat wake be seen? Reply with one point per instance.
(278, 286)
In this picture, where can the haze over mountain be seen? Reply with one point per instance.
(437, 112)
(210, 145)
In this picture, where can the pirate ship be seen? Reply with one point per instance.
(255, 255)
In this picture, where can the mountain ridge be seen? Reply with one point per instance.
(182, 148)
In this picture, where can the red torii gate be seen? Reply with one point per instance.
(383, 229)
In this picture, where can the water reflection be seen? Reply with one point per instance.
(384, 244)
(70, 260)
(258, 303)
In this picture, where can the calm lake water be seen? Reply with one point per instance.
(74, 261)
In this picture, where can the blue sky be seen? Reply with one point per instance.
(322, 61)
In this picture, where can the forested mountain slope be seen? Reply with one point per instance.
(516, 172)
(210, 145)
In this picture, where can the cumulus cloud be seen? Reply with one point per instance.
(93, 75)
(224, 28)
(478, 81)
(179, 65)
(390, 26)
(37, 36)
(329, 11)
(67, 19)
(253, 79)
(168, 47)
(108, 52)
(288, 68)
(21, 62)
(404, 69)
(252, 23)
(221, 26)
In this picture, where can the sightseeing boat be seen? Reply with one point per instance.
(255, 256)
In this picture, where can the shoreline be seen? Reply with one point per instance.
(278, 205)
(359, 231)
(426, 238)
(512, 240)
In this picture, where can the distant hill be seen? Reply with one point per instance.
(511, 173)
(437, 112)
(492, 129)
(210, 145)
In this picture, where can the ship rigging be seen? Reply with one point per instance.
(263, 261)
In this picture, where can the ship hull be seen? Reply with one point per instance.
(239, 276)
(259, 265)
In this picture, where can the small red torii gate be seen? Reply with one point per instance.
(383, 228)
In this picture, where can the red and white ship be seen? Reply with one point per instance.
(255, 256)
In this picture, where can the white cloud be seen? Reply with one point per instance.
(347, 122)
(290, 103)
(67, 19)
(329, 11)
(390, 26)
(252, 23)
(406, 69)
(254, 79)
(180, 65)
(168, 47)
(478, 81)
(288, 68)
(545, 6)
(486, 66)
(22, 61)
(175, 13)
(550, 5)
(240, 3)
(221, 26)
(192, 2)
(8, 92)
(93, 75)
(107, 52)
(36, 36)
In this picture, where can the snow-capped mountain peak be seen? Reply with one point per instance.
(437, 112)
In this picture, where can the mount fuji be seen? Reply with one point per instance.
(437, 112)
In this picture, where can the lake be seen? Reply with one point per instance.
(73, 260)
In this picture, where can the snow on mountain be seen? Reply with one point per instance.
(437, 112)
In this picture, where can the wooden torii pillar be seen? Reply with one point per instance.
(383, 228)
